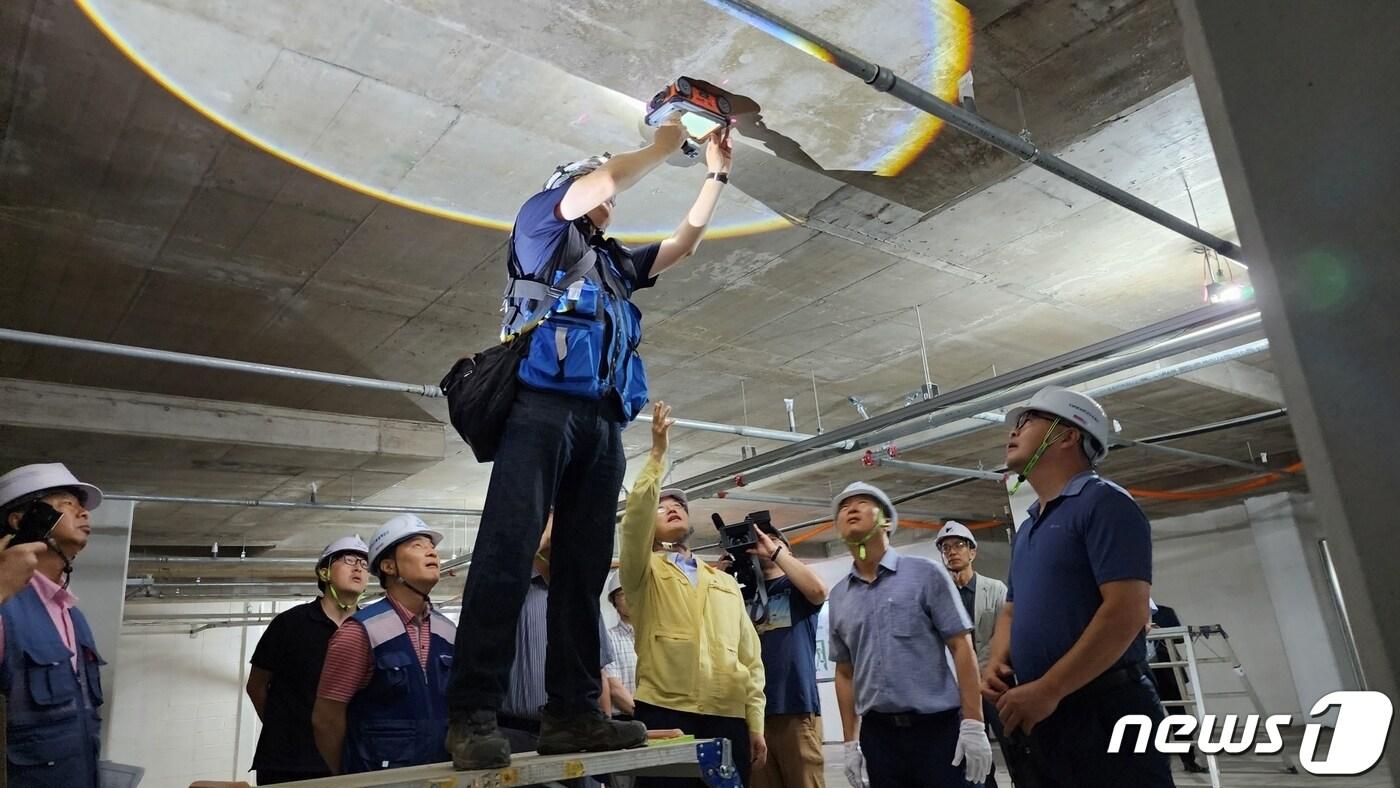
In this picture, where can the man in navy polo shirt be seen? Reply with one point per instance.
(1069, 656)
(581, 380)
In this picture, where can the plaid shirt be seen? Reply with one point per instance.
(624, 664)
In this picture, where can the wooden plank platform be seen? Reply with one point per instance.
(678, 759)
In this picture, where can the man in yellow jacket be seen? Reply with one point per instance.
(699, 663)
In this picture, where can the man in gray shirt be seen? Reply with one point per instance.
(916, 712)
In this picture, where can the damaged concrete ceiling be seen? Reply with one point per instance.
(127, 216)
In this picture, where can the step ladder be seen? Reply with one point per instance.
(707, 759)
(1185, 646)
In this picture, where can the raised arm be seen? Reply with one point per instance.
(620, 173)
(639, 520)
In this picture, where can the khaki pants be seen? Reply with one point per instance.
(794, 752)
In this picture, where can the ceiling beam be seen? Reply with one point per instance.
(1239, 379)
(56, 406)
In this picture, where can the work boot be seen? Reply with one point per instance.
(475, 742)
(587, 732)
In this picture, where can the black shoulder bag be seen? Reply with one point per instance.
(480, 388)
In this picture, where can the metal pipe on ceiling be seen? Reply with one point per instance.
(353, 381)
(1161, 373)
(944, 470)
(1128, 443)
(210, 561)
(142, 582)
(821, 503)
(1217, 426)
(886, 81)
(211, 362)
(1202, 326)
(265, 504)
(737, 429)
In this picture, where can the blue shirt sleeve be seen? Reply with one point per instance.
(538, 229)
(1118, 539)
(839, 651)
(945, 605)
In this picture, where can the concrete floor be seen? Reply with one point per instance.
(1236, 772)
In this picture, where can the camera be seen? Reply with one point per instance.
(736, 539)
(35, 523)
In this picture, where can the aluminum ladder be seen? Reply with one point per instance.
(1183, 644)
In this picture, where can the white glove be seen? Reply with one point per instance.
(855, 765)
(973, 748)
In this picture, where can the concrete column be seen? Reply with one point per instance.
(1286, 535)
(1302, 100)
(99, 581)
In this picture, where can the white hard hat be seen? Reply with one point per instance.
(345, 544)
(565, 173)
(861, 488)
(953, 528)
(1077, 410)
(396, 530)
(27, 480)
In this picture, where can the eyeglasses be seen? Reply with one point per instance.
(951, 545)
(353, 561)
(1026, 417)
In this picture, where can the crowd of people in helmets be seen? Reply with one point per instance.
(929, 655)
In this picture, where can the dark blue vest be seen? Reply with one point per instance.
(54, 728)
(400, 719)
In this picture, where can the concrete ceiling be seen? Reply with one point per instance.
(127, 216)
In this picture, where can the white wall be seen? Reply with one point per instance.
(1207, 567)
(181, 712)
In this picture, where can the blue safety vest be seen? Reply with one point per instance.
(588, 346)
(53, 727)
(400, 719)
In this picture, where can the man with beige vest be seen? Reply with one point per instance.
(983, 597)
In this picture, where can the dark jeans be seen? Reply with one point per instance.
(701, 726)
(556, 452)
(277, 776)
(1069, 749)
(912, 750)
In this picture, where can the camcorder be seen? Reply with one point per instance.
(736, 540)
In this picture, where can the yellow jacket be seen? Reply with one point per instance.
(697, 651)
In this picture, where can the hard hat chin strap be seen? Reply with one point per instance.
(1050, 437)
(415, 590)
(67, 562)
(860, 543)
(353, 604)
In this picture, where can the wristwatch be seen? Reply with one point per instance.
(722, 177)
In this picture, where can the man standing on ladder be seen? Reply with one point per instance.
(561, 449)
(1069, 656)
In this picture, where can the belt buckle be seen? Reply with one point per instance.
(902, 720)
